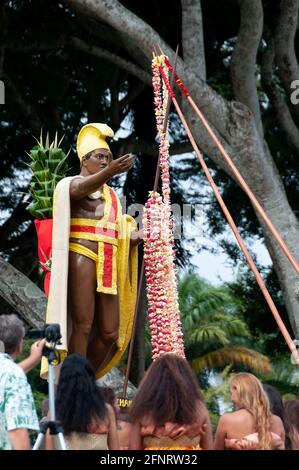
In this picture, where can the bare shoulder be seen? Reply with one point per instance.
(276, 424)
(235, 416)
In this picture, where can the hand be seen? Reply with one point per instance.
(122, 164)
(36, 351)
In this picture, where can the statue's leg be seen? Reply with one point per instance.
(81, 300)
(103, 347)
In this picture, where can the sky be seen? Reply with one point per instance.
(217, 268)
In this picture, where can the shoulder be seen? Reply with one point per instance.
(233, 417)
(276, 424)
(10, 369)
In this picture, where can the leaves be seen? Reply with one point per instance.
(49, 166)
(236, 355)
(213, 326)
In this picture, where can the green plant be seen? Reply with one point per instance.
(215, 334)
(48, 165)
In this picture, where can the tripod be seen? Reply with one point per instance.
(54, 426)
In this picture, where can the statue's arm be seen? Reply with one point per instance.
(82, 187)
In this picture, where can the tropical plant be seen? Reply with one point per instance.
(215, 333)
(48, 165)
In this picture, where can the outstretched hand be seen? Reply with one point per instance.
(122, 164)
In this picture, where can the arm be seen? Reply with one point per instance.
(277, 427)
(113, 442)
(206, 441)
(19, 439)
(34, 358)
(82, 187)
(221, 434)
(136, 439)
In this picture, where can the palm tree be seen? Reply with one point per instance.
(214, 332)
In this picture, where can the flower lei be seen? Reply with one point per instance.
(159, 254)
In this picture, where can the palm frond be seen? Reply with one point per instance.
(235, 355)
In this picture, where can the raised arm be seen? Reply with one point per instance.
(82, 187)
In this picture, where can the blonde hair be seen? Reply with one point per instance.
(252, 397)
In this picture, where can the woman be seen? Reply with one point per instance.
(291, 408)
(88, 422)
(251, 426)
(167, 411)
(277, 408)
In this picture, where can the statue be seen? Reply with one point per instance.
(94, 256)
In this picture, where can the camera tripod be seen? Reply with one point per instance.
(54, 426)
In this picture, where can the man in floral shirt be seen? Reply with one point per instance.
(17, 409)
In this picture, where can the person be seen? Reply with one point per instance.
(110, 398)
(168, 411)
(17, 409)
(277, 408)
(124, 427)
(251, 426)
(94, 256)
(291, 409)
(88, 422)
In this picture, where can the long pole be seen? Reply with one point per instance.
(236, 173)
(156, 182)
(233, 226)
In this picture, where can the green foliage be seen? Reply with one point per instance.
(48, 165)
(215, 332)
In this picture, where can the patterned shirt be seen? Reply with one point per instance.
(17, 409)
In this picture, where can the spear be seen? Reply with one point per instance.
(156, 182)
(233, 226)
(235, 171)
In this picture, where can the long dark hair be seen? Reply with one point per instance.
(277, 409)
(78, 400)
(168, 392)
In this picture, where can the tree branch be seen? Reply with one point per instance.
(285, 54)
(127, 145)
(134, 30)
(96, 51)
(243, 64)
(111, 57)
(276, 96)
(192, 37)
(24, 296)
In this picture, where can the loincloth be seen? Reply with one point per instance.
(106, 258)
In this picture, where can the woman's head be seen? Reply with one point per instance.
(247, 393)
(78, 400)
(168, 392)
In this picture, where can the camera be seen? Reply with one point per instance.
(50, 331)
